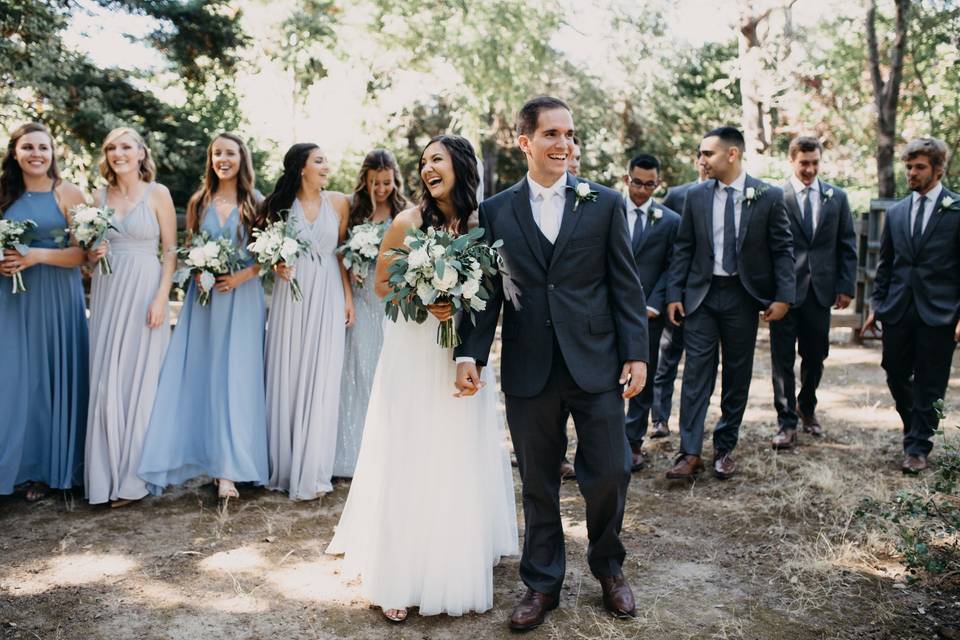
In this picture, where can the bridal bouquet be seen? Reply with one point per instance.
(207, 257)
(361, 249)
(436, 266)
(13, 235)
(89, 225)
(278, 244)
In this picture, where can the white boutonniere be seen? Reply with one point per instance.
(751, 195)
(947, 202)
(827, 195)
(582, 192)
(654, 215)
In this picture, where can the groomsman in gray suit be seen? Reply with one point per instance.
(825, 252)
(653, 230)
(733, 259)
(916, 296)
(671, 340)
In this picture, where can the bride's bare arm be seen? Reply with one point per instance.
(393, 238)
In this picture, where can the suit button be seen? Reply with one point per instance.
(551, 287)
(549, 324)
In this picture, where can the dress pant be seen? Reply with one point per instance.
(671, 350)
(806, 329)
(537, 427)
(725, 322)
(917, 359)
(638, 411)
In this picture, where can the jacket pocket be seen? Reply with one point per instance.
(601, 324)
(584, 243)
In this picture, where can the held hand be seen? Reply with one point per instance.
(842, 301)
(468, 380)
(776, 311)
(635, 373)
(157, 314)
(13, 262)
(956, 333)
(95, 254)
(229, 282)
(675, 313)
(651, 314)
(870, 326)
(442, 311)
(284, 271)
(350, 313)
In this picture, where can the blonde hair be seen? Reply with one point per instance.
(148, 170)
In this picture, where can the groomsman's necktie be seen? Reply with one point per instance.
(549, 216)
(918, 222)
(637, 227)
(808, 214)
(729, 234)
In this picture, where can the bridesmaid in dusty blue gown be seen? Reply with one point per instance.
(43, 341)
(378, 198)
(209, 416)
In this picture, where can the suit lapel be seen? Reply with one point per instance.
(934, 219)
(569, 221)
(524, 215)
(648, 228)
(826, 208)
(706, 220)
(790, 197)
(747, 208)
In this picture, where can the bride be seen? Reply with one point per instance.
(431, 508)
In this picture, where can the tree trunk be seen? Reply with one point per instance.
(886, 93)
(754, 111)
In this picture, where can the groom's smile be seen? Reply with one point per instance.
(549, 146)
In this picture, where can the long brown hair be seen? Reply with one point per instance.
(12, 185)
(362, 206)
(246, 193)
(464, 192)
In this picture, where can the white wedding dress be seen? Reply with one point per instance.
(431, 508)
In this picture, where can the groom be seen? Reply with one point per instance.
(574, 339)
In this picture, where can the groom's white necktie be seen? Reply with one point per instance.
(549, 216)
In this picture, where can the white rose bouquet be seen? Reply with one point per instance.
(14, 235)
(279, 244)
(89, 226)
(436, 266)
(361, 249)
(207, 257)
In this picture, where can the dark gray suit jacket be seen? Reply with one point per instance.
(827, 263)
(764, 248)
(589, 295)
(675, 195)
(653, 256)
(929, 275)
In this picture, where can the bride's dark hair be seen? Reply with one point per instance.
(463, 196)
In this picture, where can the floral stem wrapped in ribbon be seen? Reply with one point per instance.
(279, 244)
(89, 225)
(207, 258)
(436, 266)
(361, 249)
(14, 236)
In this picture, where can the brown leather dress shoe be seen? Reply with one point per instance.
(618, 597)
(567, 472)
(785, 439)
(532, 610)
(636, 457)
(661, 429)
(810, 424)
(686, 466)
(914, 464)
(724, 466)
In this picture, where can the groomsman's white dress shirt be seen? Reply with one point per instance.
(719, 203)
(801, 190)
(931, 196)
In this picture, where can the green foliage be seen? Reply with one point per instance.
(926, 519)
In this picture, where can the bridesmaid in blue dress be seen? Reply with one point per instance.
(43, 341)
(377, 198)
(209, 416)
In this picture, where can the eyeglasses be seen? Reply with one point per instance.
(639, 184)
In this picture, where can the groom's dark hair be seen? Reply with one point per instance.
(730, 136)
(530, 113)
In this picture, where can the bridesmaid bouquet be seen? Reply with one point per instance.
(279, 244)
(208, 258)
(436, 266)
(361, 249)
(89, 225)
(13, 235)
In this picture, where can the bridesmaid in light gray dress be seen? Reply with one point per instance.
(304, 352)
(378, 198)
(129, 329)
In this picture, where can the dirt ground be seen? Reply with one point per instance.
(774, 553)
